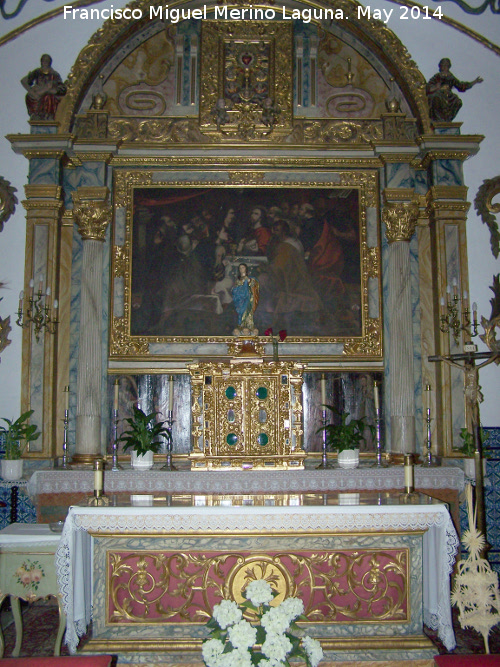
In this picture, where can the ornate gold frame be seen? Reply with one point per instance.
(123, 345)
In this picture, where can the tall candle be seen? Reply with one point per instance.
(98, 476)
(376, 399)
(427, 396)
(170, 392)
(323, 389)
(117, 389)
(66, 398)
(21, 299)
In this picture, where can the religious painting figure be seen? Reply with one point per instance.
(444, 104)
(45, 89)
(245, 298)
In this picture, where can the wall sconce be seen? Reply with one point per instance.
(36, 310)
(454, 320)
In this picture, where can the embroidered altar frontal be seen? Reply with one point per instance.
(362, 587)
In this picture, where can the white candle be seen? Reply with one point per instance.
(409, 473)
(117, 389)
(474, 312)
(98, 479)
(56, 304)
(66, 398)
(427, 396)
(170, 392)
(323, 389)
(376, 400)
(21, 298)
(40, 283)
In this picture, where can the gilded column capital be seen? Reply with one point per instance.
(91, 212)
(92, 218)
(400, 220)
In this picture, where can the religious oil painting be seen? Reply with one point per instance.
(300, 246)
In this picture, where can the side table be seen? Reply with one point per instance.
(27, 572)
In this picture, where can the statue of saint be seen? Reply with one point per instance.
(245, 298)
(45, 89)
(444, 104)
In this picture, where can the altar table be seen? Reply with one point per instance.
(149, 575)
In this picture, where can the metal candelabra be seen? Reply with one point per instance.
(378, 438)
(116, 466)
(169, 465)
(429, 461)
(64, 462)
(325, 463)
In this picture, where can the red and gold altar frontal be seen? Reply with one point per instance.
(158, 570)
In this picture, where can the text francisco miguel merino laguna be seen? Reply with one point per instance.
(176, 14)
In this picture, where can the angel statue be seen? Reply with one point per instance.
(245, 298)
(444, 104)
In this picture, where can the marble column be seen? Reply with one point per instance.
(92, 215)
(400, 220)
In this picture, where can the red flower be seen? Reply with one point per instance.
(282, 335)
(268, 332)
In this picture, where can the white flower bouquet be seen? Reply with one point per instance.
(271, 642)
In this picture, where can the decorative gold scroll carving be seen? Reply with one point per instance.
(120, 261)
(121, 342)
(157, 130)
(400, 220)
(365, 586)
(370, 344)
(342, 131)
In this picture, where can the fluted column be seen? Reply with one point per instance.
(92, 215)
(400, 219)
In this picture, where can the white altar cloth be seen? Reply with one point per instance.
(440, 541)
(254, 481)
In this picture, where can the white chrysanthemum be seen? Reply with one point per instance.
(293, 607)
(225, 660)
(275, 620)
(276, 647)
(242, 635)
(313, 650)
(211, 650)
(237, 658)
(227, 613)
(259, 592)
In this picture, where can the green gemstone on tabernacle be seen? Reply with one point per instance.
(262, 439)
(232, 439)
(230, 393)
(261, 393)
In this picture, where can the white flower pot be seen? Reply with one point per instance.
(142, 462)
(349, 458)
(12, 469)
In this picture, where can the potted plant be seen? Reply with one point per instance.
(346, 436)
(17, 435)
(143, 437)
(468, 449)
